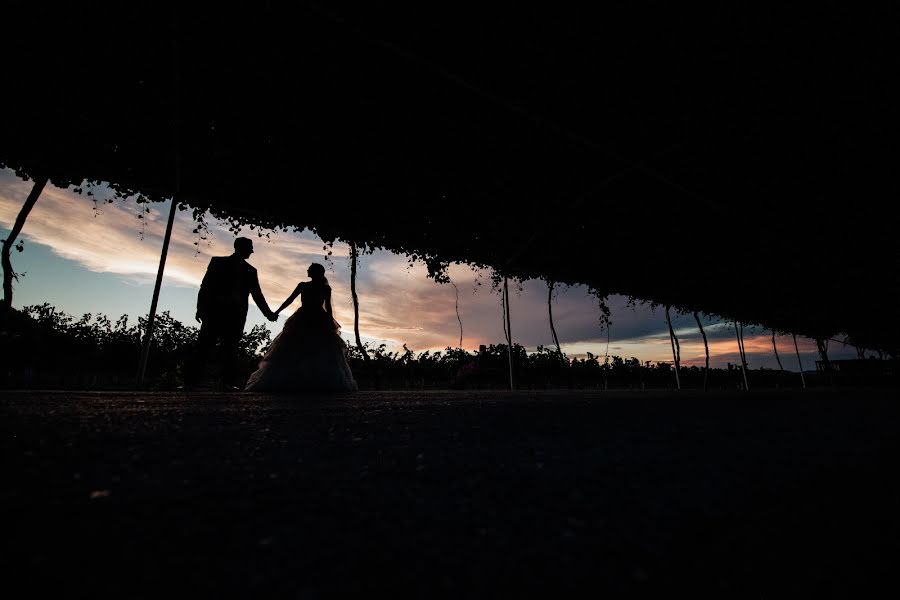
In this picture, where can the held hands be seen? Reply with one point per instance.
(272, 316)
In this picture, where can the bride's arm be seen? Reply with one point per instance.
(290, 299)
(328, 303)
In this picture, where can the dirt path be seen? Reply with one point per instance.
(450, 494)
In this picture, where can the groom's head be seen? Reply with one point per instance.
(243, 247)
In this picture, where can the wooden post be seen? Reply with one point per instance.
(509, 344)
(800, 362)
(148, 336)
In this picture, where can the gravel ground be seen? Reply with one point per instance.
(450, 494)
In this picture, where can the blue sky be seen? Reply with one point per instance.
(83, 260)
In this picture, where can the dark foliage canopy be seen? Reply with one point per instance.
(737, 160)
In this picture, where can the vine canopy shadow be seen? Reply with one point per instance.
(732, 161)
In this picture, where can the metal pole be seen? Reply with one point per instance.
(509, 344)
(176, 146)
(148, 336)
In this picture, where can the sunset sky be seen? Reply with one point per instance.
(83, 260)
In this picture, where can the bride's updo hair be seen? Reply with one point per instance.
(317, 273)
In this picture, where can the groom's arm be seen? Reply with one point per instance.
(260, 300)
(204, 296)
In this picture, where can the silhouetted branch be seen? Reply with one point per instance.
(775, 348)
(706, 350)
(739, 333)
(676, 354)
(550, 286)
(799, 362)
(8, 273)
(456, 290)
(354, 254)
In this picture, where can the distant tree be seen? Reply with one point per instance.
(58, 349)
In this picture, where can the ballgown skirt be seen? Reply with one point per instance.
(308, 355)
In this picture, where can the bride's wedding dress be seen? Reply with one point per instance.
(308, 354)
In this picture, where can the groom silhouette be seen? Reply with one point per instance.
(222, 310)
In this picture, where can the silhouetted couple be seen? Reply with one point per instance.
(308, 354)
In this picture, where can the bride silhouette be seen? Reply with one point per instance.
(308, 354)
